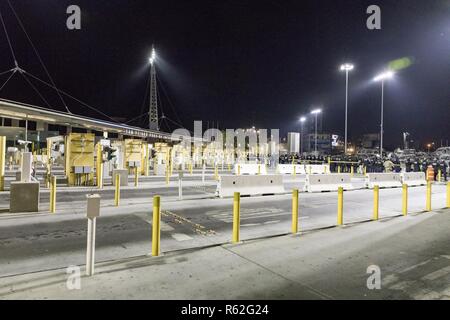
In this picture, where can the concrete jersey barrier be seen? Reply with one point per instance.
(327, 182)
(249, 185)
(413, 178)
(317, 168)
(289, 168)
(249, 168)
(304, 168)
(383, 180)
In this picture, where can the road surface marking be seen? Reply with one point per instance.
(181, 237)
(437, 274)
(164, 226)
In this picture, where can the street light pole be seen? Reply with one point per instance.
(346, 67)
(382, 77)
(302, 120)
(315, 144)
(381, 121)
(346, 109)
(316, 112)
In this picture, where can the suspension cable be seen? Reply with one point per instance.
(70, 96)
(135, 118)
(35, 89)
(7, 80)
(5, 72)
(147, 91)
(37, 53)
(168, 99)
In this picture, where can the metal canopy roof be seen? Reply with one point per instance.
(22, 111)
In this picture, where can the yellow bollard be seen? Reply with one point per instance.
(340, 217)
(229, 167)
(351, 170)
(428, 207)
(156, 223)
(216, 173)
(236, 216)
(365, 170)
(100, 176)
(439, 175)
(294, 210)
(295, 169)
(53, 195)
(376, 202)
(239, 170)
(405, 199)
(339, 169)
(136, 176)
(448, 194)
(117, 192)
(190, 168)
(2, 162)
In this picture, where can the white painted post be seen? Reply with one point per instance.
(90, 254)
(180, 186)
(203, 173)
(93, 211)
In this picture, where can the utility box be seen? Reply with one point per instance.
(123, 177)
(24, 197)
(93, 206)
(78, 169)
(134, 164)
(26, 168)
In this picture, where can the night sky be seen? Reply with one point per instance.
(242, 63)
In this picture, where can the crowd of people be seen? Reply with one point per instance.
(374, 163)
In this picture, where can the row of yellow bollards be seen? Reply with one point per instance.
(156, 230)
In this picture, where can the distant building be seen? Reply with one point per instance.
(370, 141)
(323, 143)
(293, 142)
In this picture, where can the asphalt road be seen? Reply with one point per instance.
(43, 241)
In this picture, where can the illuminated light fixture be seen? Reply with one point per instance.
(153, 56)
(384, 76)
(347, 67)
(302, 119)
(316, 111)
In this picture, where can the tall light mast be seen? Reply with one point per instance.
(153, 112)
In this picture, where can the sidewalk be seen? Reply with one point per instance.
(412, 253)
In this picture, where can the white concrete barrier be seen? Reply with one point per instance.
(413, 178)
(317, 168)
(304, 168)
(249, 168)
(289, 168)
(383, 180)
(249, 185)
(327, 182)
